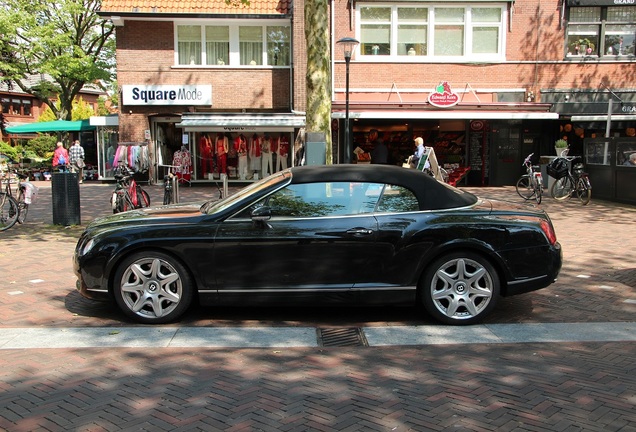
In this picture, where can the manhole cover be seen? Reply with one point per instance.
(339, 337)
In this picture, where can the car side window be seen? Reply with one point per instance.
(397, 199)
(321, 199)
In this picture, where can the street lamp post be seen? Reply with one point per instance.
(348, 45)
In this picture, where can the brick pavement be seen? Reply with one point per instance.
(525, 387)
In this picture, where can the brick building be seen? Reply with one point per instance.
(484, 83)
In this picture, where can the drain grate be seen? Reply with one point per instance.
(341, 337)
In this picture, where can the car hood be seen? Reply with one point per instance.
(176, 213)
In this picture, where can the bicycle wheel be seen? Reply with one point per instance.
(145, 201)
(562, 188)
(538, 192)
(525, 189)
(8, 211)
(23, 208)
(583, 192)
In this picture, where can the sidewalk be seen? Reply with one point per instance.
(564, 375)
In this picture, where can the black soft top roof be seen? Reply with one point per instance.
(430, 193)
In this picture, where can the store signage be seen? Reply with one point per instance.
(601, 2)
(629, 108)
(443, 96)
(167, 94)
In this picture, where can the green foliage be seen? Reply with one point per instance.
(65, 40)
(6, 149)
(560, 143)
(41, 147)
(81, 111)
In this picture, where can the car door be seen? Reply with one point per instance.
(319, 238)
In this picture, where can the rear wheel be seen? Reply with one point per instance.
(525, 189)
(583, 191)
(460, 288)
(153, 288)
(562, 188)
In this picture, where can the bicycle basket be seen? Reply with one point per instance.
(558, 168)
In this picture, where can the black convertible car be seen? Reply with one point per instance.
(362, 234)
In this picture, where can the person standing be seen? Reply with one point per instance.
(380, 152)
(76, 153)
(60, 157)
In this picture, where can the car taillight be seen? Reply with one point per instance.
(548, 230)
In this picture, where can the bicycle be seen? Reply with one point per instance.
(128, 195)
(570, 181)
(168, 192)
(14, 210)
(530, 185)
(9, 210)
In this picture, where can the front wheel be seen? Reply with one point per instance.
(23, 209)
(460, 288)
(153, 288)
(525, 188)
(9, 211)
(562, 188)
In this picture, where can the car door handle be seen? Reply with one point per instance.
(359, 232)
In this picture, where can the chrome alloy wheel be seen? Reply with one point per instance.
(152, 288)
(461, 289)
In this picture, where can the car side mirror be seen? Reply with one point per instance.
(262, 214)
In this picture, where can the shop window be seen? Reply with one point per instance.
(251, 45)
(16, 106)
(232, 45)
(6, 106)
(278, 46)
(626, 154)
(598, 153)
(601, 31)
(189, 45)
(412, 31)
(463, 32)
(217, 45)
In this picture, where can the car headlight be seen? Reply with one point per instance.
(87, 247)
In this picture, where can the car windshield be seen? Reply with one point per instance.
(217, 206)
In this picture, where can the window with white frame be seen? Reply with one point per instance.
(232, 44)
(433, 31)
(603, 31)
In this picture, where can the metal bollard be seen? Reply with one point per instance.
(175, 190)
(225, 186)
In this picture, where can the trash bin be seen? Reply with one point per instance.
(65, 195)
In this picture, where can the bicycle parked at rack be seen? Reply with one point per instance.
(530, 185)
(128, 195)
(570, 179)
(13, 210)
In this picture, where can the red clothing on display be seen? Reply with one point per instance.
(221, 152)
(207, 155)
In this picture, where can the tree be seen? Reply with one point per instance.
(65, 40)
(318, 117)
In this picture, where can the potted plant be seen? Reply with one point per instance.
(582, 46)
(561, 146)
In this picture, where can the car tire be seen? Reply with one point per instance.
(460, 288)
(152, 288)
